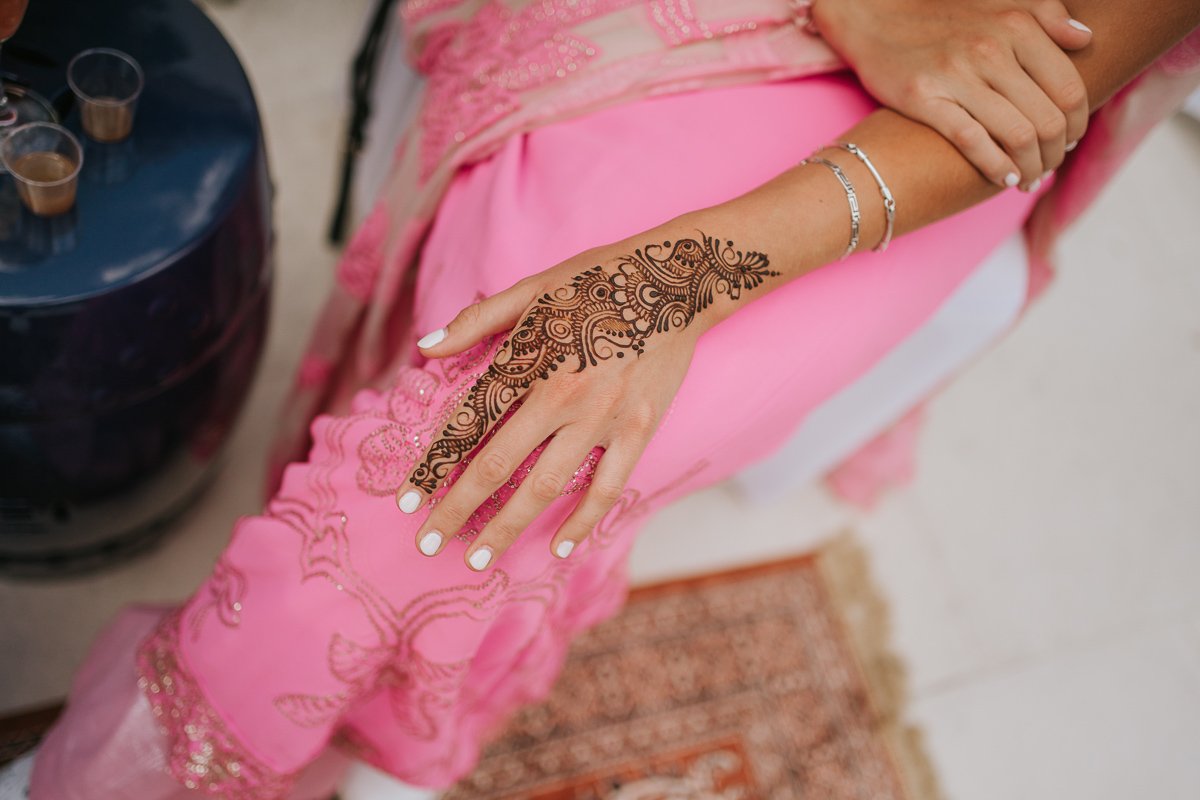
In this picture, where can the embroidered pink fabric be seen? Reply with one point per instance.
(498, 68)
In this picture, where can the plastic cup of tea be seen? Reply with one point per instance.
(44, 160)
(107, 83)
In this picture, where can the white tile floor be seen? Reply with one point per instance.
(1040, 570)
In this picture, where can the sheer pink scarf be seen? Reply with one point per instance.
(494, 68)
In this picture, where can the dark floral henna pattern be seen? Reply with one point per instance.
(597, 316)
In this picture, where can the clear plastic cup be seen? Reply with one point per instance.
(44, 160)
(107, 83)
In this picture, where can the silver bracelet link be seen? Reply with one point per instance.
(851, 198)
(889, 202)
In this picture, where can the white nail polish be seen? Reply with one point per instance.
(480, 558)
(1079, 26)
(1072, 146)
(1046, 174)
(1011, 179)
(430, 339)
(564, 548)
(1033, 187)
(430, 543)
(409, 501)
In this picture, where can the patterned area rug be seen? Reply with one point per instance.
(765, 682)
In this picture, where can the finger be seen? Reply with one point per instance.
(1009, 127)
(1066, 32)
(608, 484)
(544, 484)
(1048, 120)
(489, 469)
(1054, 73)
(478, 320)
(507, 379)
(972, 140)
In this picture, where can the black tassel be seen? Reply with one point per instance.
(362, 80)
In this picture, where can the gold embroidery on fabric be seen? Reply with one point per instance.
(203, 753)
(225, 590)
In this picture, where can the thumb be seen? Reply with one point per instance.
(1066, 31)
(477, 321)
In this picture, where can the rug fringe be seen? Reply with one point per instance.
(845, 568)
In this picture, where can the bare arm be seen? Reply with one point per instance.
(802, 214)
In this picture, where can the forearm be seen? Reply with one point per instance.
(801, 218)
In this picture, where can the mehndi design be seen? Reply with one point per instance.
(598, 316)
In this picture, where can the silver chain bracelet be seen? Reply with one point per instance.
(851, 197)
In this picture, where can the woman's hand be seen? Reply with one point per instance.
(598, 348)
(989, 75)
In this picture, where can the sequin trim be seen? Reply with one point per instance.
(203, 754)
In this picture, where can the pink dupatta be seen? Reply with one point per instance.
(494, 69)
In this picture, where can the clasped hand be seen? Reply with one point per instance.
(991, 76)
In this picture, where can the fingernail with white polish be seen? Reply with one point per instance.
(480, 558)
(1011, 179)
(564, 548)
(1046, 174)
(430, 543)
(1079, 26)
(430, 339)
(1033, 187)
(1072, 145)
(409, 501)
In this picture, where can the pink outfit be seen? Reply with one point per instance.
(322, 624)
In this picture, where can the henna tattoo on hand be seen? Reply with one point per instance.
(597, 316)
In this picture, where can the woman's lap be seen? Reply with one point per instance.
(322, 619)
(560, 190)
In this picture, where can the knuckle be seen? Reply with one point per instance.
(1014, 20)
(607, 493)
(470, 315)
(501, 534)
(493, 467)
(1020, 135)
(606, 400)
(448, 514)
(640, 419)
(567, 387)
(918, 89)
(1052, 127)
(984, 49)
(530, 283)
(964, 135)
(1072, 96)
(546, 487)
